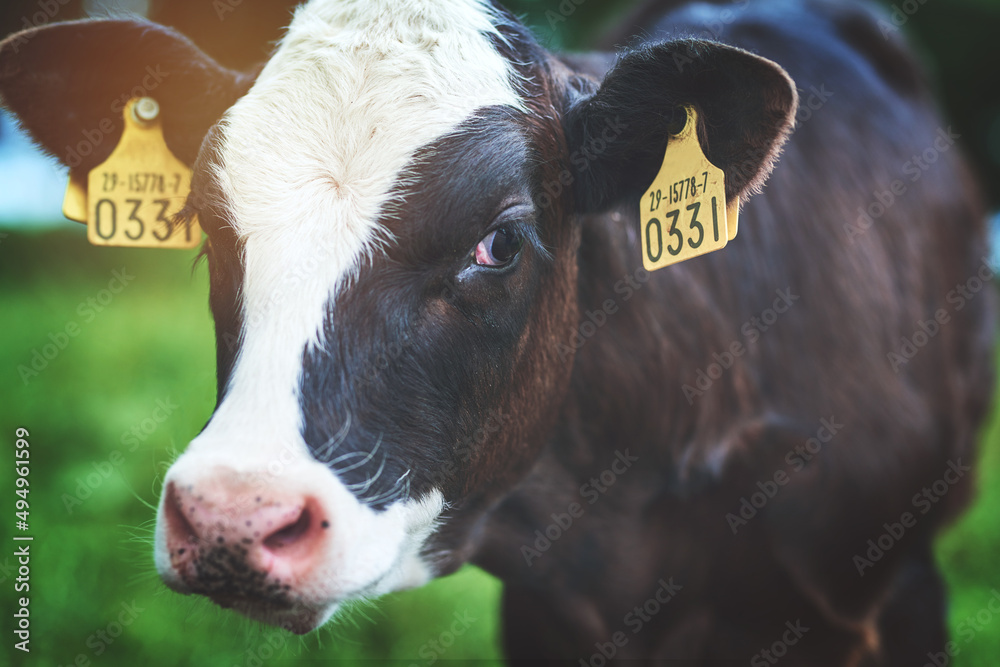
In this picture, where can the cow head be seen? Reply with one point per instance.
(393, 207)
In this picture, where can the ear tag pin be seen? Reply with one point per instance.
(131, 199)
(683, 213)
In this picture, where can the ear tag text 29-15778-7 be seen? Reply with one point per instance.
(684, 213)
(130, 200)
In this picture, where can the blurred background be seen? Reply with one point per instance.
(109, 412)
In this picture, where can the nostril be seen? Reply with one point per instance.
(290, 534)
(178, 526)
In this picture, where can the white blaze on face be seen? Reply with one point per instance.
(308, 159)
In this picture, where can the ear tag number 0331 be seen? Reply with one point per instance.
(684, 212)
(131, 199)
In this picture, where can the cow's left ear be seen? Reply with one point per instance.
(618, 134)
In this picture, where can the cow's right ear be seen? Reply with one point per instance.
(68, 84)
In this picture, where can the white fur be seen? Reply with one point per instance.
(308, 160)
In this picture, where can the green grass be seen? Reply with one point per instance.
(968, 552)
(154, 341)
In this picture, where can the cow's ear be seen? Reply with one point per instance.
(618, 134)
(68, 83)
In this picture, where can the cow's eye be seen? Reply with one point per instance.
(499, 248)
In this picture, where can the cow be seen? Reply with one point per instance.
(437, 342)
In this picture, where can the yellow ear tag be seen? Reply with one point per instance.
(684, 212)
(131, 199)
(75, 202)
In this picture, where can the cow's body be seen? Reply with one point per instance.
(685, 465)
(857, 291)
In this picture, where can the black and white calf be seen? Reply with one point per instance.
(434, 330)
